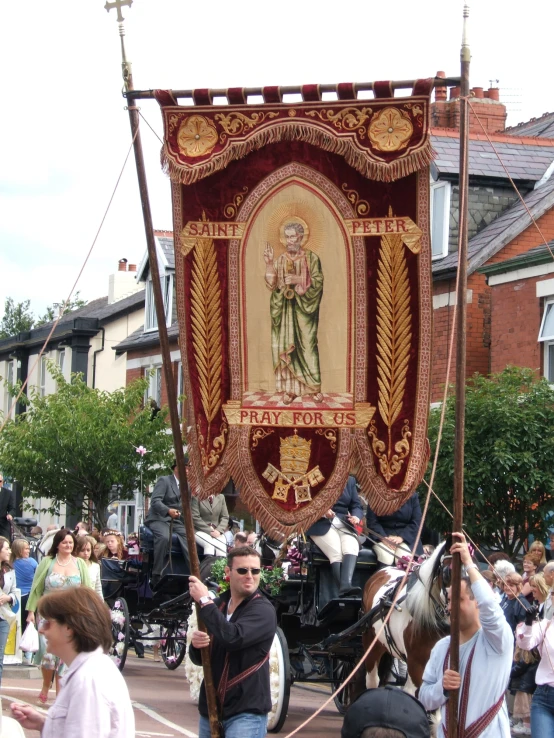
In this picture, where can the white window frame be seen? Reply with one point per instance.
(61, 361)
(150, 317)
(546, 349)
(547, 303)
(152, 390)
(546, 340)
(446, 218)
(42, 375)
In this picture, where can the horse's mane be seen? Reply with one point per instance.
(421, 606)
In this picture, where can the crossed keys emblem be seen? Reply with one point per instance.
(295, 459)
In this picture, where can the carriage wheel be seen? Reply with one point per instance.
(173, 645)
(280, 665)
(121, 632)
(341, 670)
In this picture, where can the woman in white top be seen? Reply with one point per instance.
(85, 551)
(94, 700)
(8, 596)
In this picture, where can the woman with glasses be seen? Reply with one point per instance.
(8, 597)
(59, 570)
(94, 700)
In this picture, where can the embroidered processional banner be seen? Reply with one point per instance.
(304, 295)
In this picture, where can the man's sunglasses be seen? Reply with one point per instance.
(243, 570)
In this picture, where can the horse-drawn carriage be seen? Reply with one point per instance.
(145, 614)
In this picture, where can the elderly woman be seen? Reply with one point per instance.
(336, 536)
(396, 532)
(59, 570)
(94, 700)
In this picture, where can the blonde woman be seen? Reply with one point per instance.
(85, 551)
(540, 591)
(538, 546)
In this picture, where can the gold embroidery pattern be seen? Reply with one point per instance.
(347, 119)
(294, 475)
(230, 210)
(210, 460)
(197, 136)
(205, 318)
(394, 337)
(390, 130)
(172, 123)
(361, 206)
(258, 434)
(330, 435)
(390, 466)
(236, 123)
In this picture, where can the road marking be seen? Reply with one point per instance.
(22, 702)
(163, 721)
(148, 735)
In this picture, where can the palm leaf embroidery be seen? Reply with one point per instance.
(394, 337)
(205, 315)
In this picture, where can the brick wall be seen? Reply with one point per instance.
(502, 322)
(478, 334)
(516, 317)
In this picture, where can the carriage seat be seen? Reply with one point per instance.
(366, 558)
(146, 538)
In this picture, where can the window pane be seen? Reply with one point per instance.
(550, 362)
(548, 324)
(437, 226)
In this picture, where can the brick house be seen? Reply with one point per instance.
(499, 227)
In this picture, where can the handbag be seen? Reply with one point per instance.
(29, 639)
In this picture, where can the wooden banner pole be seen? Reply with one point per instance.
(134, 119)
(461, 315)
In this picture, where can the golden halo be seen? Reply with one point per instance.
(295, 211)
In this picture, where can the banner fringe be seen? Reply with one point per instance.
(379, 171)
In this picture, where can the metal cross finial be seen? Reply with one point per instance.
(118, 4)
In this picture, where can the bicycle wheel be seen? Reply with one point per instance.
(121, 632)
(173, 644)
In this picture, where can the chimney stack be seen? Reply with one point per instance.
(123, 283)
(487, 109)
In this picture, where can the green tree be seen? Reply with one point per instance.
(509, 460)
(73, 446)
(52, 311)
(17, 318)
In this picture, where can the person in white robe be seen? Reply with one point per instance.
(486, 651)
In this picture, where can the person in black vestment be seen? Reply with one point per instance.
(335, 535)
(397, 531)
(7, 510)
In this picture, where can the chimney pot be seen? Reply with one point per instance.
(132, 268)
(454, 93)
(478, 92)
(122, 265)
(494, 93)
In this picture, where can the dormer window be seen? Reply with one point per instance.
(151, 319)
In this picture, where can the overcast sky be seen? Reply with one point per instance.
(65, 132)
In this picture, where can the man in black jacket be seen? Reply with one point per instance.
(7, 510)
(241, 625)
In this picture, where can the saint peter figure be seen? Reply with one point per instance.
(296, 283)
